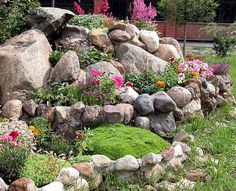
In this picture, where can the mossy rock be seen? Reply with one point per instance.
(42, 169)
(116, 141)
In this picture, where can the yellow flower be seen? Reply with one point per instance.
(160, 83)
(34, 130)
(195, 74)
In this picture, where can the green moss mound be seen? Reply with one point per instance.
(42, 169)
(116, 141)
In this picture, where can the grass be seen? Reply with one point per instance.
(116, 141)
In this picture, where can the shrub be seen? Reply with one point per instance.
(118, 140)
(12, 17)
(220, 69)
(14, 151)
(42, 169)
(55, 57)
(88, 21)
(224, 38)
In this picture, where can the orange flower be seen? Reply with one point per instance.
(195, 74)
(34, 130)
(160, 83)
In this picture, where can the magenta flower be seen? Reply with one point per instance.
(95, 73)
(14, 134)
(118, 81)
(78, 9)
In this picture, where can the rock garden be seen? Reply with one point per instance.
(87, 100)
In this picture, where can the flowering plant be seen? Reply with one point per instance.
(142, 12)
(193, 69)
(103, 9)
(220, 69)
(78, 9)
(82, 138)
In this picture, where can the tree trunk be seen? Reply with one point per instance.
(185, 39)
(53, 3)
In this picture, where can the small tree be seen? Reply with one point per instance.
(184, 11)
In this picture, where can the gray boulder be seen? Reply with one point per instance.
(67, 69)
(24, 64)
(92, 115)
(142, 122)
(163, 103)
(119, 36)
(135, 59)
(163, 124)
(143, 104)
(48, 19)
(12, 109)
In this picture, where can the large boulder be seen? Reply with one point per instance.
(144, 105)
(172, 41)
(48, 19)
(119, 36)
(67, 69)
(99, 38)
(24, 64)
(167, 51)
(102, 66)
(135, 59)
(150, 39)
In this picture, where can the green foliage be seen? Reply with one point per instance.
(41, 124)
(88, 57)
(80, 159)
(183, 11)
(97, 92)
(88, 21)
(12, 159)
(116, 141)
(147, 82)
(13, 17)
(224, 38)
(55, 57)
(143, 25)
(42, 169)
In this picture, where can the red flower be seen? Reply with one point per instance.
(14, 134)
(95, 73)
(129, 84)
(79, 10)
(79, 136)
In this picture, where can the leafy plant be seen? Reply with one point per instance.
(224, 38)
(144, 25)
(92, 56)
(82, 138)
(88, 21)
(42, 169)
(55, 57)
(13, 17)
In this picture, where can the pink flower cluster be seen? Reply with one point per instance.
(194, 67)
(12, 138)
(104, 8)
(78, 9)
(142, 12)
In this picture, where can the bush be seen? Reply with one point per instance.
(42, 169)
(88, 21)
(116, 141)
(55, 57)
(12, 17)
(224, 38)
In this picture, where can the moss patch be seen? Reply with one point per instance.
(116, 141)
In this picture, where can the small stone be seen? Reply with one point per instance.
(175, 164)
(180, 95)
(199, 152)
(143, 104)
(77, 110)
(85, 169)
(132, 30)
(193, 109)
(178, 114)
(128, 110)
(62, 114)
(12, 109)
(186, 149)
(151, 159)
(3, 185)
(127, 95)
(182, 136)
(46, 112)
(186, 185)
(101, 161)
(165, 186)
(127, 163)
(80, 185)
(23, 184)
(29, 106)
(95, 181)
(142, 122)
(54, 186)
(155, 173)
(113, 114)
(196, 175)
(168, 154)
(119, 36)
(178, 151)
(162, 102)
(68, 176)
(118, 66)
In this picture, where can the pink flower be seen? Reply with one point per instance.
(95, 73)
(14, 134)
(118, 81)
(79, 10)
(103, 9)
(5, 137)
